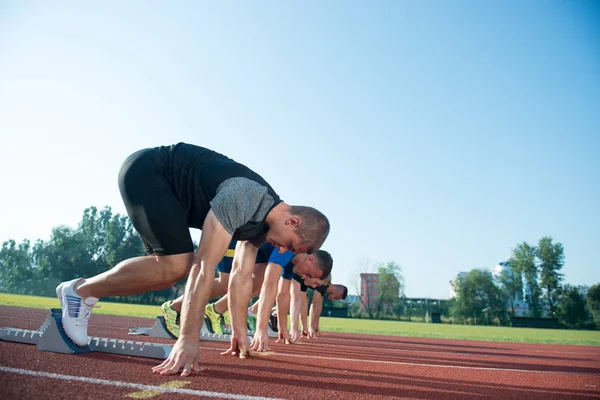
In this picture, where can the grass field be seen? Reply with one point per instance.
(414, 329)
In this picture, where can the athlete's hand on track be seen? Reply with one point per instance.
(260, 341)
(294, 335)
(313, 333)
(304, 334)
(239, 346)
(284, 337)
(185, 354)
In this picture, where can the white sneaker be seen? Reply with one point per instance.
(59, 290)
(76, 312)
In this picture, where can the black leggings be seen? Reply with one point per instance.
(152, 205)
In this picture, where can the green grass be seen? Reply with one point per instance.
(468, 332)
(130, 310)
(414, 329)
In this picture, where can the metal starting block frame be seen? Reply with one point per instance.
(52, 337)
(159, 330)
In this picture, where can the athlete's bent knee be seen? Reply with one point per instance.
(176, 267)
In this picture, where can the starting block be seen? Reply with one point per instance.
(159, 330)
(52, 337)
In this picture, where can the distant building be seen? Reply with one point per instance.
(369, 291)
(352, 299)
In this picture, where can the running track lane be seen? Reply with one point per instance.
(336, 365)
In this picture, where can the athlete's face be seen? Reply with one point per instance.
(307, 269)
(312, 282)
(335, 292)
(283, 236)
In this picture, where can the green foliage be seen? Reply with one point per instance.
(379, 297)
(523, 260)
(390, 286)
(478, 299)
(16, 270)
(510, 283)
(551, 258)
(571, 306)
(101, 240)
(593, 302)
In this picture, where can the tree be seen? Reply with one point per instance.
(571, 306)
(398, 308)
(67, 255)
(524, 263)
(477, 297)
(593, 302)
(100, 242)
(510, 282)
(110, 238)
(551, 258)
(379, 292)
(16, 270)
(390, 287)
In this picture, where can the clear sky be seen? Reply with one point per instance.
(436, 134)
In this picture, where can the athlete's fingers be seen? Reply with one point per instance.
(157, 368)
(173, 369)
(244, 352)
(197, 367)
(164, 367)
(232, 348)
(187, 369)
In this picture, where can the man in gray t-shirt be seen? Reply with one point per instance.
(167, 190)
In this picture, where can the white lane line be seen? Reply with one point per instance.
(189, 392)
(276, 353)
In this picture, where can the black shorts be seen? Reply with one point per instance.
(152, 205)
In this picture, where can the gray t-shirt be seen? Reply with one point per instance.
(240, 201)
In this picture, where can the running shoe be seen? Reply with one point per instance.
(214, 320)
(172, 318)
(76, 312)
(251, 323)
(273, 322)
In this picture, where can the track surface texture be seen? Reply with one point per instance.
(333, 366)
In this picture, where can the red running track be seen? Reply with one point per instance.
(334, 366)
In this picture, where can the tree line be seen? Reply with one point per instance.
(101, 240)
(531, 277)
(529, 284)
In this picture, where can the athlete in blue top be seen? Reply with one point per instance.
(283, 263)
(318, 265)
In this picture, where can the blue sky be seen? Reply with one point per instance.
(434, 134)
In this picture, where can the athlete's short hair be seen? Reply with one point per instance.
(341, 288)
(345, 294)
(324, 263)
(314, 227)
